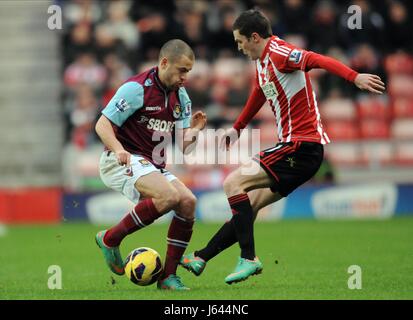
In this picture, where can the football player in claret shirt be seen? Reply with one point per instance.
(144, 111)
(282, 79)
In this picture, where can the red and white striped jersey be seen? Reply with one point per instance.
(282, 76)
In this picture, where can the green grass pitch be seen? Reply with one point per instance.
(303, 259)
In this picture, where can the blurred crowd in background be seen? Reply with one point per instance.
(106, 42)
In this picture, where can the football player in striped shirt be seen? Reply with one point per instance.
(283, 81)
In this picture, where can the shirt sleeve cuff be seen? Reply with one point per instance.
(238, 126)
(352, 76)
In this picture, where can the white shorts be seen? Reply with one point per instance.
(122, 179)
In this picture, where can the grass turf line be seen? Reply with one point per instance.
(303, 259)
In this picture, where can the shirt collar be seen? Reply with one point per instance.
(266, 48)
(157, 80)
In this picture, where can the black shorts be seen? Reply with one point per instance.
(291, 164)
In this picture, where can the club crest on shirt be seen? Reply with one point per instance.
(177, 111)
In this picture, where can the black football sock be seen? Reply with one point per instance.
(223, 239)
(243, 221)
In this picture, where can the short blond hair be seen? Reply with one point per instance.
(175, 48)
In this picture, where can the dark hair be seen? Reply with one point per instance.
(251, 21)
(175, 48)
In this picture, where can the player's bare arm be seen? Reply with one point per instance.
(188, 137)
(105, 132)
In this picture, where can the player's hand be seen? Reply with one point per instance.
(123, 157)
(370, 82)
(199, 120)
(228, 139)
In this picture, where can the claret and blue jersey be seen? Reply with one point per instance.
(143, 110)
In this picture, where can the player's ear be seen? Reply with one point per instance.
(163, 64)
(255, 37)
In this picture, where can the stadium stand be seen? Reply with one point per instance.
(104, 42)
(30, 86)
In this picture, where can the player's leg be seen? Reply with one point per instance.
(132, 182)
(225, 237)
(288, 166)
(236, 186)
(239, 183)
(241, 222)
(260, 198)
(159, 197)
(179, 235)
(157, 201)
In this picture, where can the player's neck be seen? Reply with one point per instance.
(262, 45)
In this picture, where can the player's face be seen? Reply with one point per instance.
(175, 73)
(246, 45)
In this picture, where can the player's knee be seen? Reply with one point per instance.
(254, 204)
(188, 204)
(228, 183)
(232, 183)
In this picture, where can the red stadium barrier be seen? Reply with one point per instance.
(33, 205)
